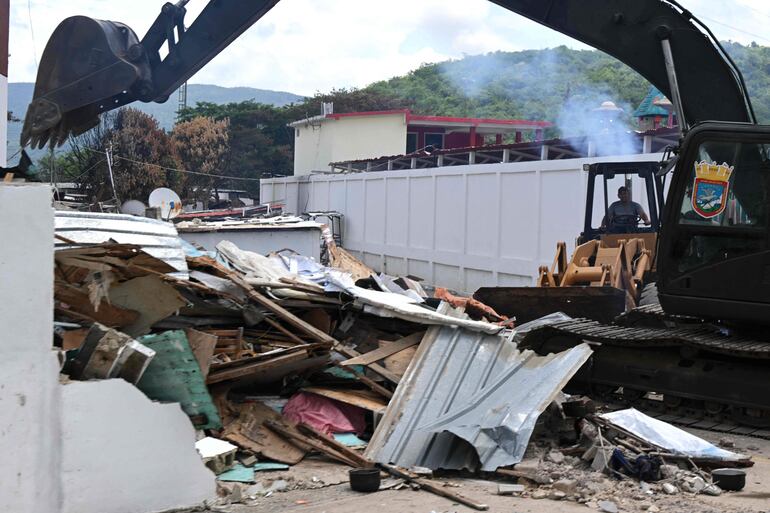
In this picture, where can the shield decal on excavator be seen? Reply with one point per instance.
(710, 189)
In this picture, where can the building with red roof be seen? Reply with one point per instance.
(322, 140)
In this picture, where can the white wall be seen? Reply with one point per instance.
(123, 453)
(95, 447)
(347, 138)
(3, 120)
(306, 241)
(461, 227)
(29, 378)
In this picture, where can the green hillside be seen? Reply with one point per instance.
(536, 84)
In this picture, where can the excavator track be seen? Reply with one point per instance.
(702, 337)
(682, 371)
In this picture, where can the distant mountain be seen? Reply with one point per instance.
(20, 94)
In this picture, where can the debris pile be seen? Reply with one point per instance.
(276, 358)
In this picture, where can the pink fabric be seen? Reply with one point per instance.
(324, 414)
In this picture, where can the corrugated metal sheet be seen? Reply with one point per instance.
(469, 400)
(158, 238)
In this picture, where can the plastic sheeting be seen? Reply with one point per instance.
(324, 414)
(667, 436)
(383, 304)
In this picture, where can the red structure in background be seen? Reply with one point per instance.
(444, 132)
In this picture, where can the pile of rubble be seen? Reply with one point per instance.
(277, 357)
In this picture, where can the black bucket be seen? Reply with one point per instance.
(365, 479)
(731, 479)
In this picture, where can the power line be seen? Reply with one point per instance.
(735, 28)
(175, 169)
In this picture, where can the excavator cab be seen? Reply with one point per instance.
(714, 259)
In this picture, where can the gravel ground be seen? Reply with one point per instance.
(317, 486)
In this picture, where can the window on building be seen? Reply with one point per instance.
(435, 140)
(411, 142)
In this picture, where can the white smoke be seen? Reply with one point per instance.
(558, 97)
(610, 134)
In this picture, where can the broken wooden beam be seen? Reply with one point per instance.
(302, 439)
(278, 310)
(432, 487)
(253, 369)
(377, 369)
(346, 451)
(383, 352)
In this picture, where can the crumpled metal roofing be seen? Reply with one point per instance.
(470, 400)
(157, 238)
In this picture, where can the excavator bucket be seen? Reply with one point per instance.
(88, 67)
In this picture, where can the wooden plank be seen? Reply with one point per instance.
(277, 325)
(323, 449)
(376, 387)
(261, 357)
(383, 352)
(361, 398)
(202, 345)
(281, 312)
(248, 431)
(349, 453)
(379, 369)
(432, 487)
(254, 368)
(78, 302)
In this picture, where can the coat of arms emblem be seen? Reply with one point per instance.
(712, 183)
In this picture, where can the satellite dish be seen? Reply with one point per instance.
(133, 207)
(167, 201)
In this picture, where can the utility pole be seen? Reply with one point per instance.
(108, 153)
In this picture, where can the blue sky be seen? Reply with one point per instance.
(306, 46)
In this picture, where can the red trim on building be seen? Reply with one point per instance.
(442, 119)
(405, 112)
(479, 121)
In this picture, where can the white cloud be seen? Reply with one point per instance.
(304, 46)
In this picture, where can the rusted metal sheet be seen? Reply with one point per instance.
(469, 400)
(158, 238)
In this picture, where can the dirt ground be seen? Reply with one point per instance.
(316, 486)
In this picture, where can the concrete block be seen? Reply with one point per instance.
(510, 489)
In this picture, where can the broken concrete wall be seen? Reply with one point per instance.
(123, 453)
(29, 380)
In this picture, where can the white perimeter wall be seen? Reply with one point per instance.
(30, 433)
(347, 138)
(461, 227)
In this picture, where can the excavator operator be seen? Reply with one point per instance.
(623, 216)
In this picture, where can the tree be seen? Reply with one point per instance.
(260, 141)
(143, 157)
(62, 167)
(203, 146)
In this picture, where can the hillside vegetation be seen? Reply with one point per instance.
(536, 84)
